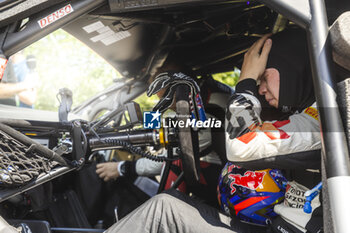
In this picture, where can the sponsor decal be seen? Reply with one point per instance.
(281, 229)
(312, 112)
(3, 63)
(105, 34)
(248, 137)
(276, 174)
(295, 195)
(271, 130)
(53, 17)
(250, 180)
(231, 167)
(151, 120)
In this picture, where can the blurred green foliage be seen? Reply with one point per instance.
(147, 103)
(228, 78)
(63, 61)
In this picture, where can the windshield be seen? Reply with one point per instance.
(35, 75)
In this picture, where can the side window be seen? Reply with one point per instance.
(147, 103)
(34, 76)
(228, 78)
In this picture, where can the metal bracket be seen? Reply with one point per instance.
(297, 11)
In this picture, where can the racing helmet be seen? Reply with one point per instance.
(250, 195)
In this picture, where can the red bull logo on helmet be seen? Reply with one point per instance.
(250, 180)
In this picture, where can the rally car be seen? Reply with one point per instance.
(136, 37)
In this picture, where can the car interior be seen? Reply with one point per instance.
(136, 38)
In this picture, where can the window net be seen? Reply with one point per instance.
(19, 164)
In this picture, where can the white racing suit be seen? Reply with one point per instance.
(249, 139)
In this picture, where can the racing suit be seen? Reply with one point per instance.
(248, 138)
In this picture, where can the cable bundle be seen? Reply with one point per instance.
(136, 150)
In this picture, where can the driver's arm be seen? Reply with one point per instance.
(28, 97)
(30, 94)
(10, 89)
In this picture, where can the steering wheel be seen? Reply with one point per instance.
(188, 138)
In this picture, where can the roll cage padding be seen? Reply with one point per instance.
(340, 37)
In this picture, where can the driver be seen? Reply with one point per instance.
(285, 85)
(293, 141)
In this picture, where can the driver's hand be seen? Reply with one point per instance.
(108, 171)
(254, 62)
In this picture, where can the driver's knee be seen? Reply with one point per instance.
(170, 196)
(167, 195)
(162, 198)
(175, 194)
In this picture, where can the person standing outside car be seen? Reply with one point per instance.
(18, 81)
(24, 68)
(29, 75)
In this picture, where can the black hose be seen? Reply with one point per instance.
(136, 150)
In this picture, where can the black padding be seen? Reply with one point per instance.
(340, 38)
(218, 134)
(315, 224)
(300, 160)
